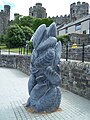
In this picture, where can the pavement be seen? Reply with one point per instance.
(6, 52)
(14, 93)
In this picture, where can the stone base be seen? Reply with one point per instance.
(31, 110)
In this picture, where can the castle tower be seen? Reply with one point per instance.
(7, 11)
(78, 10)
(38, 11)
(16, 15)
(4, 18)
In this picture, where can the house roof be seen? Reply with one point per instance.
(75, 22)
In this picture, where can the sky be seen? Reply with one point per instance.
(53, 7)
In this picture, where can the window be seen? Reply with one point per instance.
(73, 11)
(32, 14)
(78, 26)
(66, 30)
(84, 32)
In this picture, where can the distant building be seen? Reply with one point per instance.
(16, 15)
(61, 20)
(78, 31)
(77, 11)
(38, 11)
(4, 18)
(80, 26)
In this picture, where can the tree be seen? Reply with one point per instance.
(17, 18)
(14, 37)
(47, 21)
(2, 38)
(64, 39)
(60, 38)
(28, 32)
(26, 21)
(38, 21)
(32, 22)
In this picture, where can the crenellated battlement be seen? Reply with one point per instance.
(78, 10)
(38, 11)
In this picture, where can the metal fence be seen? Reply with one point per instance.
(76, 52)
(73, 52)
(20, 51)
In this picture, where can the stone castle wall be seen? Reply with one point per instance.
(4, 18)
(62, 19)
(77, 11)
(38, 11)
(75, 75)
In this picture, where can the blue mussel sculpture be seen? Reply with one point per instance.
(44, 81)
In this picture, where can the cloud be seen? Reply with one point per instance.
(16, 7)
(1, 5)
(9, 2)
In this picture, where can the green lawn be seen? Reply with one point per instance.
(3, 47)
(11, 49)
(15, 50)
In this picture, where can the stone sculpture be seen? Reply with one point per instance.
(44, 81)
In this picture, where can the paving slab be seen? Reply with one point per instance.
(14, 93)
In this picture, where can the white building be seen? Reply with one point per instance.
(80, 26)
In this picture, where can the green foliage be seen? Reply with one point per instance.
(32, 22)
(38, 21)
(22, 30)
(14, 37)
(64, 39)
(47, 21)
(26, 21)
(2, 38)
(28, 32)
(30, 45)
(60, 38)
(17, 19)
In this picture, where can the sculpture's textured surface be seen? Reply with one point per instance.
(44, 81)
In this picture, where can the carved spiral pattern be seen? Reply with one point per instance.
(44, 81)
